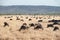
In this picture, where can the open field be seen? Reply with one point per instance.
(10, 27)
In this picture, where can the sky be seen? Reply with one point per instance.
(30, 2)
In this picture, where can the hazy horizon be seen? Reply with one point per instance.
(30, 2)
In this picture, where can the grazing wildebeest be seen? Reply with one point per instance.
(30, 19)
(38, 26)
(40, 20)
(32, 24)
(17, 18)
(23, 27)
(50, 25)
(6, 24)
(55, 28)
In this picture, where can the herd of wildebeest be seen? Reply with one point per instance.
(36, 26)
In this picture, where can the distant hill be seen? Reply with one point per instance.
(22, 9)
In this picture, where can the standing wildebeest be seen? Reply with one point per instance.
(55, 28)
(6, 24)
(17, 18)
(38, 26)
(32, 24)
(30, 19)
(49, 25)
(23, 27)
(39, 20)
(10, 19)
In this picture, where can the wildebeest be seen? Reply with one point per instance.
(32, 24)
(54, 20)
(55, 28)
(24, 23)
(6, 24)
(56, 23)
(30, 19)
(7, 17)
(36, 17)
(50, 25)
(17, 18)
(26, 17)
(10, 19)
(38, 26)
(23, 27)
(21, 20)
(40, 20)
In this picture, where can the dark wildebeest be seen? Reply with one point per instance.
(32, 24)
(39, 20)
(10, 19)
(55, 28)
(6, 24)
(17, 18)
(54, 20)
(38, 26)
(50, 25)
(23, 27)
(30, 19)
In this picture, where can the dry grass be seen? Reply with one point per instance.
(12, 33)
